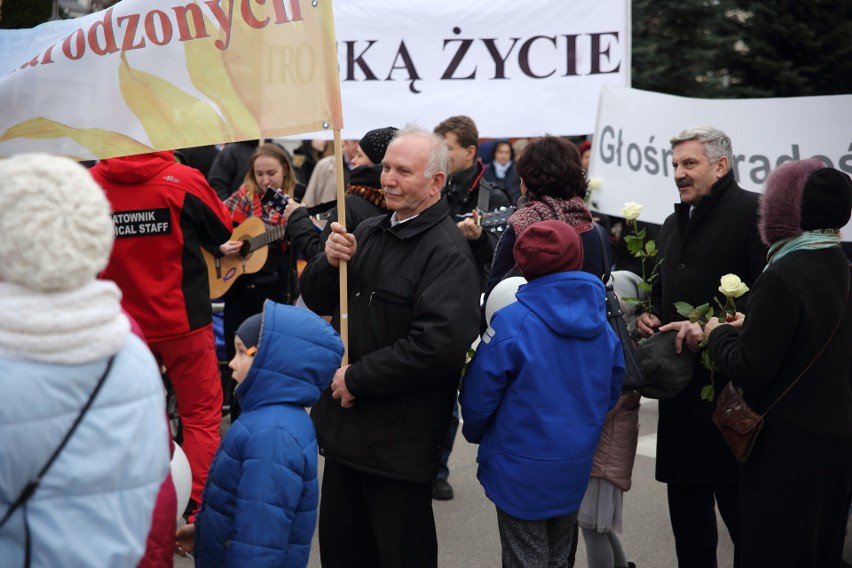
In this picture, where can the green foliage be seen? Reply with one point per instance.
(791, 48)
(701, 314)
(680, 47)
(742, 48)
(19, 14)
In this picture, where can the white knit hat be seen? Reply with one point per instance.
(56, 228)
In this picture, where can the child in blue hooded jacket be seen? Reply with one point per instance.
(260, 501)
(534, 397)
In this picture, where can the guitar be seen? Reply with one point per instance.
(494, 221)
(256, 236)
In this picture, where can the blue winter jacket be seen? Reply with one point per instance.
(536, 393)
(94, 506)
(260, 500)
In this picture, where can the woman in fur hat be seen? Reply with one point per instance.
(796, 486)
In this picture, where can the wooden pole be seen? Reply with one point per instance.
(341, 218)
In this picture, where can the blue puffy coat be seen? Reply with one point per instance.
(536, 393)
(260, 501)
(94, 506)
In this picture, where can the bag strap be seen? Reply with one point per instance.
(33, 485)
(484, 197)
(814, 360)
(605, 256)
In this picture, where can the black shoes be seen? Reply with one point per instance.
(442, 490)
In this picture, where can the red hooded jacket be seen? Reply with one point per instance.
(163, 213)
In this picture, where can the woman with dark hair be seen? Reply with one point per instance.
(501, 170)
(796, 486)
(553, 186)
(269, 165)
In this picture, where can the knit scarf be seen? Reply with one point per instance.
(544, 208)
(69, 327)
(809, 240)
(371, 194)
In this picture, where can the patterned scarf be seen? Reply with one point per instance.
(544, 208)
(371, 194)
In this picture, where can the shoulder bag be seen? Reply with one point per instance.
(615, 316)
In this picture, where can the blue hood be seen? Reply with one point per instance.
(570, 303)
(295, 360)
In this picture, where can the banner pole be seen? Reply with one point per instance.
(341, 218)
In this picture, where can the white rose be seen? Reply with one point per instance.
(732, 286)
(631, 210)
(594, 183)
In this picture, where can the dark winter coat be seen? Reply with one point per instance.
(798, 480)
(228, 171)
(511, 181)
(462, 194)
(413, 315)
(304, 234)
(720, 238)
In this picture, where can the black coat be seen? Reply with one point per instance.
(304, 234)
(510, 183)
(412, 318)
(798, 480)
(720, 238)
(462, 194)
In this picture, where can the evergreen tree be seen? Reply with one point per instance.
(680, 46)
(17, 14)
(792, 48)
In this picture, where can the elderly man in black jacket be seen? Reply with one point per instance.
(413, 314)
(712, 232)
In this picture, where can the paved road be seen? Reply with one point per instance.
(467, 525)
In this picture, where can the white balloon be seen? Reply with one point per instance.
(182, 479)
(502, 295)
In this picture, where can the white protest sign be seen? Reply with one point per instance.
(631, 154)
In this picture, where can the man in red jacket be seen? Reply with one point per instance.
(163, 213)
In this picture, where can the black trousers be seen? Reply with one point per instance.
(693, 518)
(366, 520)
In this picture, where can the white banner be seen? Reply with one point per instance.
(631, 154)
(177, 73)
(144, 76)
(516, 68)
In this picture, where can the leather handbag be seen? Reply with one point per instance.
(738, 422)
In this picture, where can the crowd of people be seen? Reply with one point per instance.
(87, 481)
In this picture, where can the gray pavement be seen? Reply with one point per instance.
(467, 525)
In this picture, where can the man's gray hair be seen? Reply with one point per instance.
(716, 143)
(439, 155)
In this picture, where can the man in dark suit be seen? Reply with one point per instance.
(712, 232)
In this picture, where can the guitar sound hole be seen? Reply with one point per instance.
(245, 250)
